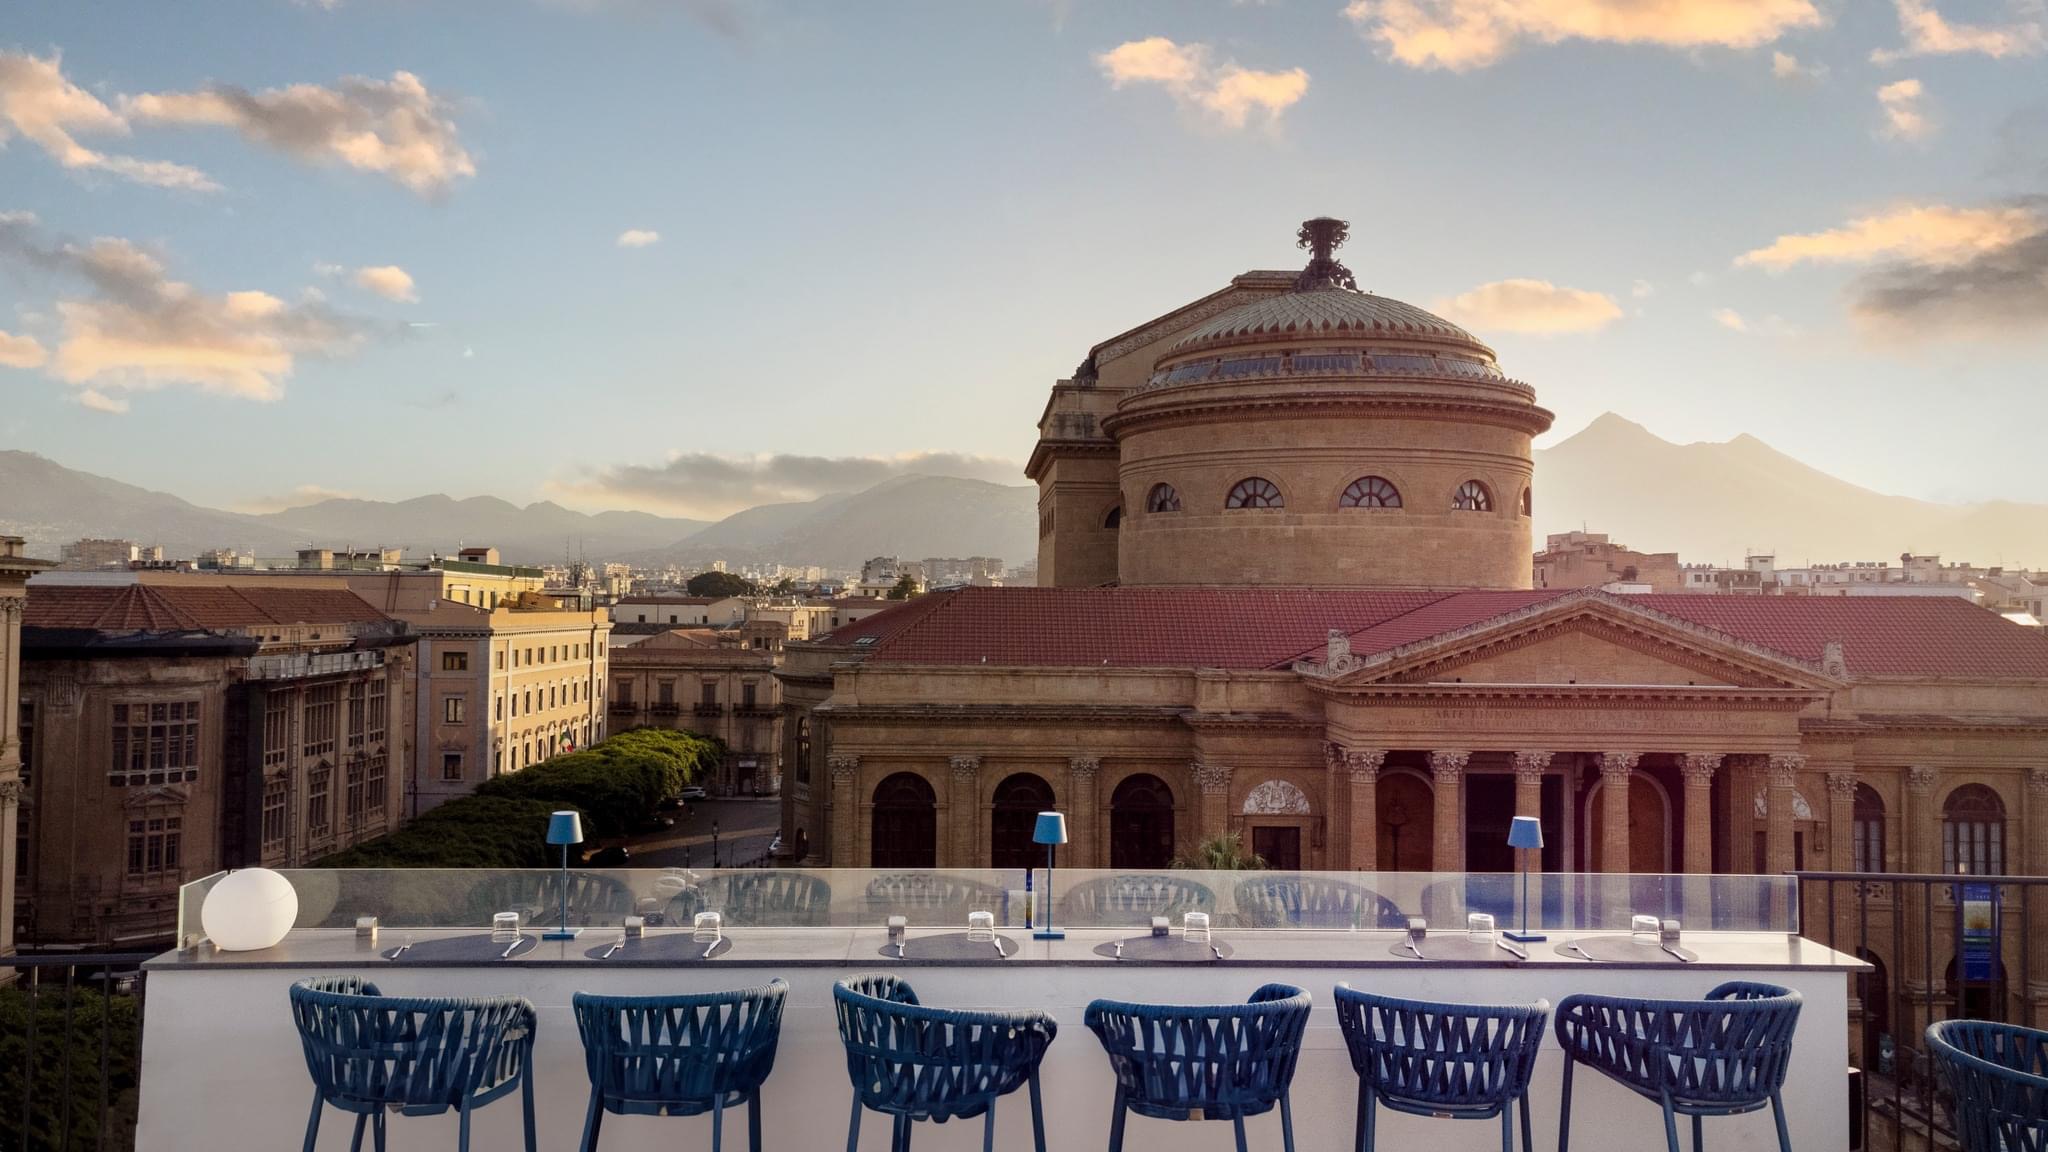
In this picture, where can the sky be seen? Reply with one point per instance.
(690, 255)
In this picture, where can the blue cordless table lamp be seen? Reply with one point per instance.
(564, 828)
(1525, 832)
(1051, 831)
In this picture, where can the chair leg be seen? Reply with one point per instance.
(525, 1103)
(1778, 1111)
(462, 1143)
(718, 1123)
(1287, 1121)
(1670, 1125)
(1507, 1131)
(988, 1128)
(1037, 1116)
(1361, 1139)
(754, 1122)
(853, 1129)
(1116, 1123)
(593, 1116)
(362, 1121)
(1523, 1105)
(1564, 1110)
(377, 1131)
(1699, 1138)
(1237, 1125)
(313, 1123)
(902, 1135)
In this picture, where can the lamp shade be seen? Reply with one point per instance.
(1525, 832)
(1051, 829)
(249, 910)
(565, 828)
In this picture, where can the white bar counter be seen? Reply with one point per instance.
(222, 1068)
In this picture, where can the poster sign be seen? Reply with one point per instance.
(1977, 936)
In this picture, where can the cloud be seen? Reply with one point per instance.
(38, 104)
(21, 351)
(1932, 234)
(1904, 118)
(1466, 34)
(1730, 319)
(136, 329)
(1227, 92)
(712, 485)
(1786, 66)
(1928, 33)
(638, 238)
(396, 128)
(1535, 306)
(389, 281)
(98, 401)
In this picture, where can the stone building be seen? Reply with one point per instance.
(15, 570)
(170, 731)
(1286, 529)
(715, 682)
(1591, 560)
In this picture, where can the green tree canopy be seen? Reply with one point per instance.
(905, 588)
(719, 584)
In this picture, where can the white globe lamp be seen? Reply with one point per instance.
(249, 910)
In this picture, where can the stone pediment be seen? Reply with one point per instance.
(1582, 638)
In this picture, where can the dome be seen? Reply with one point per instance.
(1325, 309)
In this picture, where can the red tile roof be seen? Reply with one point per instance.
(1272, 627)
(161, 608)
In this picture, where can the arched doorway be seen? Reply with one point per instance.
(1649, 825)
(1976, 999)
(1407, 822)
(1018, 801)
(904, 831)
(1141, 823)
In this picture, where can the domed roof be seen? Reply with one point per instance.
(1320, 310)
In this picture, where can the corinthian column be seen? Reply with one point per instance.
(1842, 822)
(1923, 855)
(1783, 777)
(1698, 774)
(1362, 772)
(1213, 781)
(1448, 849)
(963, 813)
(845, 772)
(1529, 768)
(1614, 772)
(1082, 810)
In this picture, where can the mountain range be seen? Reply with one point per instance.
(1709, 501)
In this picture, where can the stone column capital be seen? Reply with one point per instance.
(1530, 765)
(1212, 779)
(965, 767)
(2037, 779)
(1617, 765)
(12, 607)
(1364, 764)
(1448, 764)
(10, 793)
(1698, 769)
(1842, 785)
(1783, 769)
(1921, 779)
(843, 768)
(1083, 767)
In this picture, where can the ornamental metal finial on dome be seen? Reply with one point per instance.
(1323, 236)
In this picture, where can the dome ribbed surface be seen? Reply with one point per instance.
(1324, 310)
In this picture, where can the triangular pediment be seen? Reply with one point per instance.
(1583, 638)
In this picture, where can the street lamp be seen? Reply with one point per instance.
(714, 844)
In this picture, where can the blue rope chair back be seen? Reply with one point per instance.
(1224, 1060)
(751, 899)
(1133, 899)
(1426, 1057)
(1998, 1075)
(593, 897)
(366, 1051)
(650, 1055)
(932, 1063)
(947, 899)
(1727, 1053)
(1276, 901)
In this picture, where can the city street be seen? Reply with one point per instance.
(746, 826)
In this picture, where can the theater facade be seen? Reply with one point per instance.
(1286, 533)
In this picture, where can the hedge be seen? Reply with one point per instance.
(55, 1119)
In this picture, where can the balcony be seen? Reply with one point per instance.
(707, 708)
(665, 708)
(220, 1017)
(623, 707)
(757, 711)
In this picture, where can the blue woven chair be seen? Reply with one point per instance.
(1462, 1061)
(1278, 900)
(679, 1055)
(1998, 1075)
(1207, 1062)
(1721, 1056)
(369, 1054)
(1126, 898)
(916, 1063)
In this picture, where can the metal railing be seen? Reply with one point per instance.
(70, 1051)
(1941, 947)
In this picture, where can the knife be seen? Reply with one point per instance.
(399, 951)
(1574, 946)
(1215, 951)
(1511, 950)
(511, 948)
(1414, 949)
(1119, 948)
(899, 949)
(1683, 958)
(616, 945)
(999, 948)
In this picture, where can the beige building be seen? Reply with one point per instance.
(15, 570)
(716, 682)
(1590, 560)
(172, 729)
(1314, 503)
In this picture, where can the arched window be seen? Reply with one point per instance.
(904, 832)
(1141, 823)
(1866, 838)
(1115, 518)
(1162, 498)
(1528, 500)
(1013, 814)
(1973, 832)
(1472, 497)
(1254, 492)
(1370, 492)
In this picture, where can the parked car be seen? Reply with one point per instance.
(694, 792)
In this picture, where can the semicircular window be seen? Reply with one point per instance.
(1472, 497)
(1115, 518)
(1255, 492)
(1162, 498)
(1370, 492)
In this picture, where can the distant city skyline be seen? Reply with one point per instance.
(693, 255)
